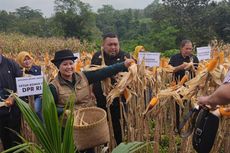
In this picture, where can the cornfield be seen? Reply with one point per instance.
(150, 93)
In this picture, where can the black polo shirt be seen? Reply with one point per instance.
(178, 59)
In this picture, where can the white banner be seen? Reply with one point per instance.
(27, 86)
(77, 55)
(203, 53)
(151, 59)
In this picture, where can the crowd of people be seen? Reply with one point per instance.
(68, 82)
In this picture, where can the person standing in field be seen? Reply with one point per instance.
(181, 62)
(112, 54)
(67, 82)
(10, 116)
(26, 62)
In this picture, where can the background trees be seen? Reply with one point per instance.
(159, 27)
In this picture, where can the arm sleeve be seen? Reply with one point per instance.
(196, 61)
(221, 96)
(54, 92)
(172, 61)
(17, 70)
(98, 75)
(95, 59)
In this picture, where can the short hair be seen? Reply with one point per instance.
(185, 41)
(109, 35)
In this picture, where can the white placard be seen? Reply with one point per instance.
(27, 86)
(151, 59)
(203, 53)
(77, 55)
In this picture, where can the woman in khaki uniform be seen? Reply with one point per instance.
(68, 82)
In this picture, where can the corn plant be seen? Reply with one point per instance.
(48, 134)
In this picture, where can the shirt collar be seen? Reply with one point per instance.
(186, 57)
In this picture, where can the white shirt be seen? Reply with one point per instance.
(227, 78)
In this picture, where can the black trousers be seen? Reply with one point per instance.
(115, 114)
(9, 122)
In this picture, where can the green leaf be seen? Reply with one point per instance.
(49, 133)
(130, 147)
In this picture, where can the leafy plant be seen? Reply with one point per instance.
(169, 53)
(49, 133)
(130, 147)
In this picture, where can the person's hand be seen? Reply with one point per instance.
(227, 109)
(205, 100)
(128, 62)
(9, 101)
(184, 65)
(188, 66)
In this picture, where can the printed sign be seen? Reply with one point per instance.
(203, 53)
(150, 59)
(77, 55)
(27, 86)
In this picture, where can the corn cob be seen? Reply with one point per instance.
(184, 79)
(212, 64)
(223, 112)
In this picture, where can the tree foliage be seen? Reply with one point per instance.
(160, 26)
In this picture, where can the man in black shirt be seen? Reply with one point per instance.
(180, 62)
(9, 115)
(112, 55)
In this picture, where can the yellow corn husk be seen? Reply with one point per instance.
(212, 64)
(126, 95)
(215, 54)
(78, 66)
(154, 70)
(83, 53)
(153, 102)
(46, 58)
(136, 51)
(184, 79)
(223, 112)
(163, 62)
(87, 62)
(200, 68)
(173, 85)
(221, 57)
